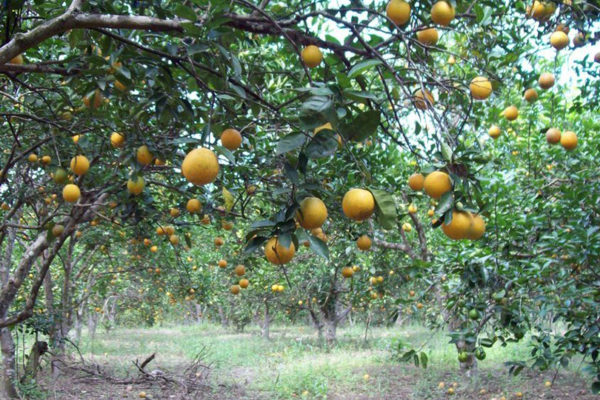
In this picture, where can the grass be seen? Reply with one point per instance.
(295, 364)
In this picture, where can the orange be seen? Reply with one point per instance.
(553, 136)
(200, 166)
(71, 193)
(136, 186)
(442, 13)
(530, 95)
(423, 102)
(481, 88)
(312, 213)
(222, 263)
(477, 228)
(244, 283)
(117, 140)
(559, 40)
(347, 272)
(32, 158)
(459, 227)
(428, 36)
(240, 270)
(568, 140)
(231, 138)
(193, 206)
(416, 181)
(174, 212)
(143, 155)
(312, 56)
(398, 11)
(235, 289)
(546, 80)
(494, 131)
(511, 113)
(96, 101)
(17, 60)
(437, 183)
(358, 204)
(276, 253)
(174, 239)
(364, 242)
(219, 241)
(80, 165)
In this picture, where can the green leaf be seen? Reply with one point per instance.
(290, 142)
(185, 12)
(386, 208)
(362, 66)
(361, 127)
(445, 203)
(318, 246)
(322, 144)
(254, 243)
(446, 152)
(424, 360)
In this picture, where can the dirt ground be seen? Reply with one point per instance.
(394, 382)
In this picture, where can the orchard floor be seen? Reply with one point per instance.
(295, 365)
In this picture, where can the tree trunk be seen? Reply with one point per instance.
(330, 330)
(92, 323)
(468, 367)
(9, 377)
(223, 316)
(33, 361)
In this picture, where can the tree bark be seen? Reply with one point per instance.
(9, 377)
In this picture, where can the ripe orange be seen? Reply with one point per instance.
(494, 131)
(143, 155)
(428, 37)
(120, 86)
(423, 102)
(222, 263)
(96, 101)
(568, 140)
(442, 13)
(277, 253)
(398, 11)
(71, 193)
(437, 183)
(459, 227)
(231, 138)
(546, 80)
(312, 56)
(530, 95)
(511, 113)
(347, 272)
(218, 241)
(80, 165)
(57, 230)
(32, 158)
(174, 239)
(477, 228)
(312, 213)
(174, 212)
(553, 136)
(193, 206)
(481, 88)
(416, 181)
(235, 289)
(46, 160)
(17, 60)
(117, 140)
(559, 40)
(244, 283)
(240, 270)
(200, 166)
(358, 204)
(364, 242)
(136, 186)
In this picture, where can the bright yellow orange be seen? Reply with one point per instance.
(559, 40)
(398, 11)
(200, 166)
(143, 155)
(442, 13)
(428, 37)
(423, 102)
(71, 193)
(276, 253)
(511, 113)
(312, 213)
(358, 204)
(117, 140)
(136, 186)
(437, 183)
(244, 283)
(80, 165)
(193, 206)
(481, 88)
(494, 131)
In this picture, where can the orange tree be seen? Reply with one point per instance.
(115, 114)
